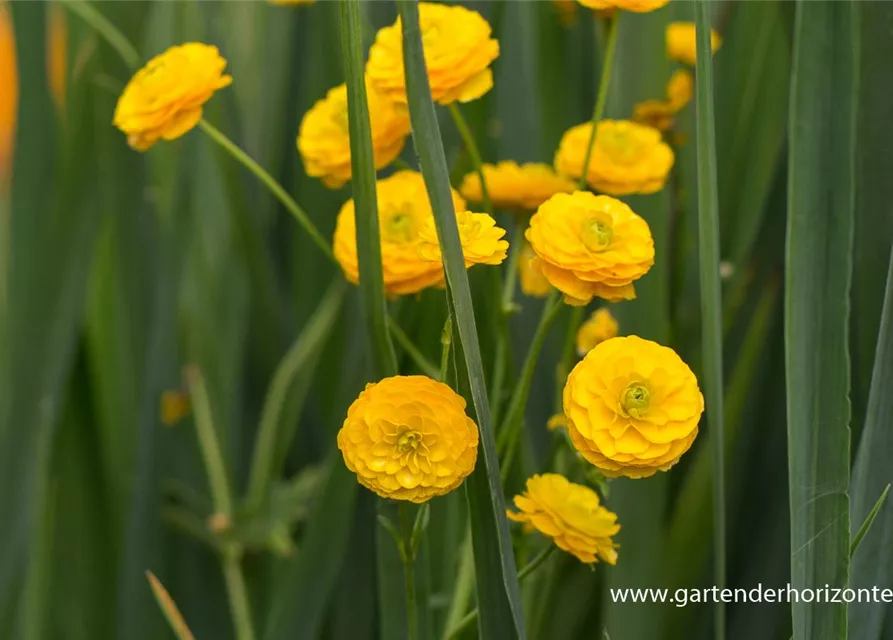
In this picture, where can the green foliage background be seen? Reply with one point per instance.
(119, 269)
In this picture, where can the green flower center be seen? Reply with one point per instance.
(408, 441)
(636, 399)
(399, 227)
(597, 234)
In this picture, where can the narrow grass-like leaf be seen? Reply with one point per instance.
(362, 166)
(869, 520)
(169, 608)
(824, 85)
(872, 561)
(711, 296)
(484, 487)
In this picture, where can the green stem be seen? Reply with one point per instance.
(567, 352)
(511, 278)
(446, 340)
(275, 188)
(109, 32)
(238, 594)
(508, 434)
(417, 356)
(602, 96)
(463, 588)
(209, 444)
(526, 571)
(412, 622)
(473, 152)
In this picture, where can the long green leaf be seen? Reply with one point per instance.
(486, 499)
(824, 86)
(872, 562)
(711, 296)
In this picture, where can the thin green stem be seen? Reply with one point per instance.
(446, 340)
(473, 151)
(208, 443)
(412, 622)
(238, 594)
(463, 588)
(425, 365)
(87, 12)
(602, 97)
(275, 188)
(525, 571)
(567, 352)
(511, 426)
(511, 277)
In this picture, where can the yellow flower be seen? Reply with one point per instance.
(292, 3)
(567, 11)
(57, 61)
(408, 438)
(556, 422)
(681, 42)
(410, 255)
(458, 52)
(661, 114)
(590, 246)
(637, 6)
(164, 99)
(600, 326)
(511, 186)
(324, 141)
(626, 157)
(632, 406)
(571, 514)
(533, 282)
(175, 406)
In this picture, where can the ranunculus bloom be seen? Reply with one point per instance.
(164, 99)
(681, 42)
(9, 91)
(533, 282)
(637, 6)
(600, 326)
(590, 246)
(409, 438)
(324, 140)
(633, 407)
(410, 255)
(627, 157)
(661, 114)
(458, 52)
(571, 514)
(514, 186)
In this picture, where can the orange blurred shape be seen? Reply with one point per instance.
(57, 60)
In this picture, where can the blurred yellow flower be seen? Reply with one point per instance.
(175, 406)
(681, 42)
(293, 3)
(661, 114)
(458, 52)
(57, 61)
(164, 99)
(556, 422)
(533, 282)
(637, 6)
(590, 246)
(324, 141)
(514, 186)
(410, 254)
(633, 407)
(600, 326)
(571, 514)
(626, 157)
(567, 11)
(409, 438)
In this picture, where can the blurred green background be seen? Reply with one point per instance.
(119, 269)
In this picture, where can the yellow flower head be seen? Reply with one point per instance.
(408, 438)
(600, 326)
(661, 114)
(410, 255)
(533, 282)
(513, 186)
(637, 6)
(293, 3)
(567, 11)
(590, 246)
(164, 99)
(458, 52)
(9, 91)
(632, 406)
(324, 141)
(571, 514)
(681, 42)
(626, 157)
